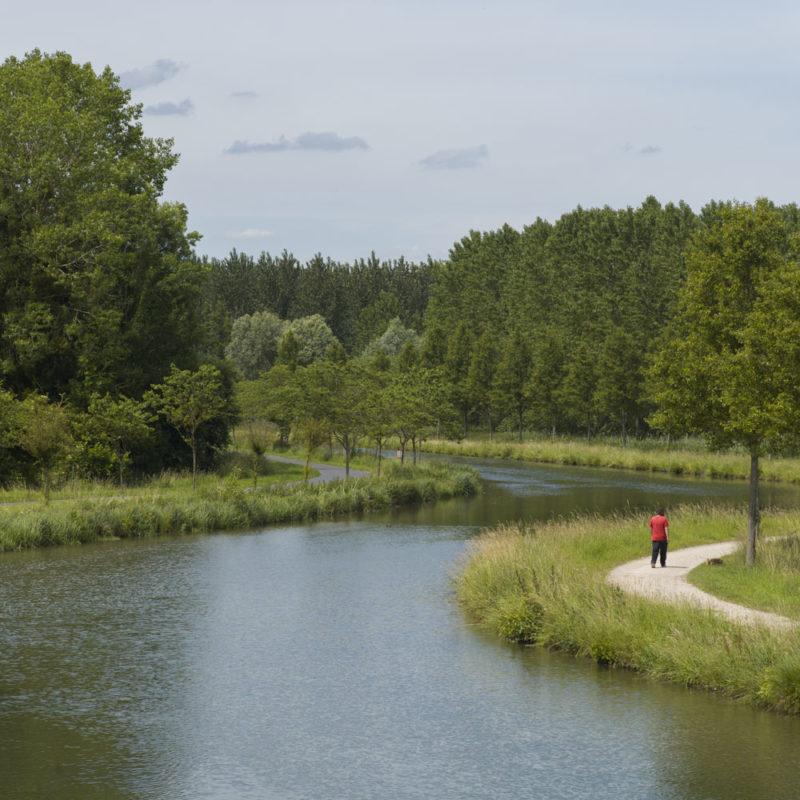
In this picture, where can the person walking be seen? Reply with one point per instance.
(659, 528)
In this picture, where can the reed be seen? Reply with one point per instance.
(545, 585)
(227, 507)
(638, 456)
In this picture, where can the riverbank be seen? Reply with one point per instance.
(546, 586)
(674, 461)
(229, 507)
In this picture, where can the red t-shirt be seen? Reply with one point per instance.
(660, 528)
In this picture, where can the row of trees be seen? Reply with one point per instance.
(38, 435)
(357, 301)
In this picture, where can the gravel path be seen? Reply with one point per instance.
(670, 584)
(326, 471)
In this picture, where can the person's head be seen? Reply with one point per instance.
(661, 512)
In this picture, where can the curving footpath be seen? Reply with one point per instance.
(327, 472)
(670, 584)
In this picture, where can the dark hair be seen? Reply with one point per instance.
(661, 512)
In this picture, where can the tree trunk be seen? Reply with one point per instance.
(121, 459)
(553, 430)
(753, 513)
(491, 429)
(624, 432)
(194, 463)
(347, 456)
(520, 427)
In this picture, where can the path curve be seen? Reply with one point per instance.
(327, 472)
(670, 584)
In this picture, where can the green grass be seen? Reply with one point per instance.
(227, 507)
(169, 483)
(546, 586)
(773, 584)
(641, 456)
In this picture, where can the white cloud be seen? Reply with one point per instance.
(151, 75)
(468, 158)
(184, 108)
(327, 141)
(250, 233)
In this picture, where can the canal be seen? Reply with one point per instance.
(330, 661)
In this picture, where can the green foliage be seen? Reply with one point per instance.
(225, 508)
(547, 586)
(187, 400)
(42, 430)
(97, 288)
(254, 342)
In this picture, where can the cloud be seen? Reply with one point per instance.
(250, 233)
(162, 70)
(468, 158)
(244, 95)
(327, 141)
(647, 150)
(164, 109)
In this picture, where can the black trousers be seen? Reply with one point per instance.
(659, 551)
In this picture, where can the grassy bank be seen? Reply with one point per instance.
(236, 469)
(227, 507)
(546, 586)
(773, 584)
(649, 458)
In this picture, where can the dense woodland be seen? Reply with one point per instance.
(121, 345)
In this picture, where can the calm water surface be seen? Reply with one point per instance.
(330, 661)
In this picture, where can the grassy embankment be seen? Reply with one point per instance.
(649, 456)
(226, 507)
(235, 471)
(546, 586)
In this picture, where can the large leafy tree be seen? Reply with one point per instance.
(97, 286)
(730, 369)
(187, 400)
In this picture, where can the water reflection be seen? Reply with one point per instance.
(330, 661)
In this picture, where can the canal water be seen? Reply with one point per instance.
(330, 661)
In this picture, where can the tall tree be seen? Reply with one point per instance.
(188, 400)
(98, 290)
(618, 389)
(729, 370)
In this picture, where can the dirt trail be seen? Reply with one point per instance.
(670, 584)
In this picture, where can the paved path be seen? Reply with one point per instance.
(670, 583)
(327, 472)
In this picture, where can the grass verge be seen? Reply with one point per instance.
(688, 462)
(773, 584)
(228, 507)
(546, 586)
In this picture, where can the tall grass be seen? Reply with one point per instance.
(227, 507)
(773, 584)
(642, 458)
(546, 585)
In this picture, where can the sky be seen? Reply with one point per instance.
(343, 128)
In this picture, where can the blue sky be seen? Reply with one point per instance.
(347, 127)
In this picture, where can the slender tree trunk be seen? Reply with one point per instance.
(553, 430)
(520, 425)
(414, 448)
(624, 431)
(347, 456)
(753, 512)
(120, 460)
(491, 429)
(194, 463)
